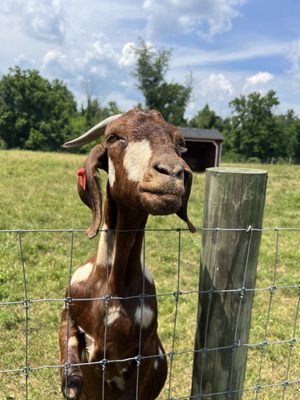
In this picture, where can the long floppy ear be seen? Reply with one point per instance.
(89, 185)
(182, 212)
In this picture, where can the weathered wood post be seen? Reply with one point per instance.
(234, 199)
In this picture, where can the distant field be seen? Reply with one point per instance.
(38, 191)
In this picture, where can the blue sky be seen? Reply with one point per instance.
(232, 47)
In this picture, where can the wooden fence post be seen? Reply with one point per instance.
(234, 199)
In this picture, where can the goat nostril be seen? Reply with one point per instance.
(162, 169)
(170, 170)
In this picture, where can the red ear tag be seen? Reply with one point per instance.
(82, 177)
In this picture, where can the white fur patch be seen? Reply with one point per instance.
(144, 316)
(113, 314)
(80, 329)
(136, 159)
(90, 346)
(82, 273)
(119, 381)
(89, 342)
(105, 255)
(71, 393)
(156, 364)
(111, 172)
(147, 274)
(73, 342)
(124, 370)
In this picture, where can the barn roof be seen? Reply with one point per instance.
(201, 134)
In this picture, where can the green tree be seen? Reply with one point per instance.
(297, 144)
(206, 118)
(95, 113)
(88, 117)
(170, 99)
(34, 113)
(256, 131)
(289, 124)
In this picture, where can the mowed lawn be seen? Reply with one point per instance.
(38, 191)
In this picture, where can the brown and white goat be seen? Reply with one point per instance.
(146, 175)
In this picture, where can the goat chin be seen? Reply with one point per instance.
(160, 204)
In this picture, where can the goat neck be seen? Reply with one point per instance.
(122, 237)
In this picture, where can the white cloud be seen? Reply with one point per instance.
(293, 55)
(56, 64)
(91, 57)
(128, 56)
(213, 89)
(10, 6)
(90, 47)
(23, 62)
(206, 18)
(39, 19)
(216, 85)
(258, 79)
(124, 101)
(198, 57)
(100, 48)
(92, 67)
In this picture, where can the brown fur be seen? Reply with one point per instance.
(164, 189)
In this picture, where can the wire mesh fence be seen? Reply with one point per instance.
(36, 266)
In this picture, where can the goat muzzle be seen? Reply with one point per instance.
(163, 185)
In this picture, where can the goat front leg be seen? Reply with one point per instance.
(150, 375)
(71, 349)
(153, 372)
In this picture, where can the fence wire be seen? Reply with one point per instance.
(260, 380)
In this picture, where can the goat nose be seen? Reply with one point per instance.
(174, 169)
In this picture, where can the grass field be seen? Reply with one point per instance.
(38, 191)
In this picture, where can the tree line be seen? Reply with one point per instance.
(39, 114)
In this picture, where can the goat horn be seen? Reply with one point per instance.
(92, 134)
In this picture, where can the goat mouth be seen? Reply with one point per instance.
(161, 202)
(166, 189)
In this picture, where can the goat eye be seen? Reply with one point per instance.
(113, 138)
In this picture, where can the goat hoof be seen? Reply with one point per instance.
(71, 387)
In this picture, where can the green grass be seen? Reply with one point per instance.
(38, 191)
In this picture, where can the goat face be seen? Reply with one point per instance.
(145, 167)
(142, 155)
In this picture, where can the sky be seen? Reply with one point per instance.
(231, 47)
